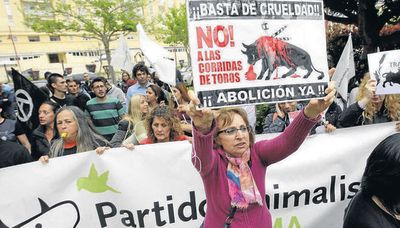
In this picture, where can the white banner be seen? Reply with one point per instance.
(249, 52)
(158, 57)
(156, 185)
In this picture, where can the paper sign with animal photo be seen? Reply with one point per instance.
(385, 68)
(251, 52)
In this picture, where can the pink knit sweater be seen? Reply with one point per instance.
(212, 165)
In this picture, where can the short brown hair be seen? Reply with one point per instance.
(224, 117)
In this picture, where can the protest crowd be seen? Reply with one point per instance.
(83, 116)
(94, 114)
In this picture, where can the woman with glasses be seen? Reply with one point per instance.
(233, 166)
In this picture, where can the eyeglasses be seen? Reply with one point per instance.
(233, 130)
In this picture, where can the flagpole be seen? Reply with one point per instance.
(15, 49)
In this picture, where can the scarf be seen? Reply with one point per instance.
(242, 188)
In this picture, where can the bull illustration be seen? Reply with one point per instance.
(391, 78)
(274, 53)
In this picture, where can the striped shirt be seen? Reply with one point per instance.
(105, 115)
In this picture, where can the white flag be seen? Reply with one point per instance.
(121, 59)
(158, 57)
(345, 69)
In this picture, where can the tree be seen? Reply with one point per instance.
(173, 28)
(370, 16)
(103, 20)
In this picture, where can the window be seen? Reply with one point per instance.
(33, 38)
(55, 38)
(53, 58)
(37, 8)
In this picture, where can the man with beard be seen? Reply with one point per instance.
(104, 111)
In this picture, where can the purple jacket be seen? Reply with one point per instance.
(212, 165)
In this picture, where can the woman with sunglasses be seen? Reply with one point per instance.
(233, 166)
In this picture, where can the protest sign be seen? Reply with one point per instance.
(250, 52)
(157, 186)
(385, 68)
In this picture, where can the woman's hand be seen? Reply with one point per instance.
(101, 150)
(44, 159)
(329, 128)
(203, 118)
(129, 146)
(317, 106)
(398, 126)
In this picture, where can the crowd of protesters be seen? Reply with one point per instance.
(141, 107)
(94, 114)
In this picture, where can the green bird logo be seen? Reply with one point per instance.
(95, 183)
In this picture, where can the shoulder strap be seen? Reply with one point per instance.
(128, 130)
(230, 216)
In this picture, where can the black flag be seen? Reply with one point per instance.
(28, 98)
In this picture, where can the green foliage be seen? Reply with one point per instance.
(103, 20)
(98, 19)
(261, 112)
(173, 28)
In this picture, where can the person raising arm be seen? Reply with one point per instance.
(233, 166)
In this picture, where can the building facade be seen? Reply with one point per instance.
(28, 51)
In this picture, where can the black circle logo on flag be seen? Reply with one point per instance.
(25, 105)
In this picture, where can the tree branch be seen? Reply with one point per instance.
(342, 20)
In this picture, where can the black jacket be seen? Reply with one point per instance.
(333, 113)
(81, 99)
(362, 212)
(352, 116)
(11, 153)
(40, 145)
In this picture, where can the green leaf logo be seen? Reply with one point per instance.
(94, 183)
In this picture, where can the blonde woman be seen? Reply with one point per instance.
(137, 109)
(371, 108)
